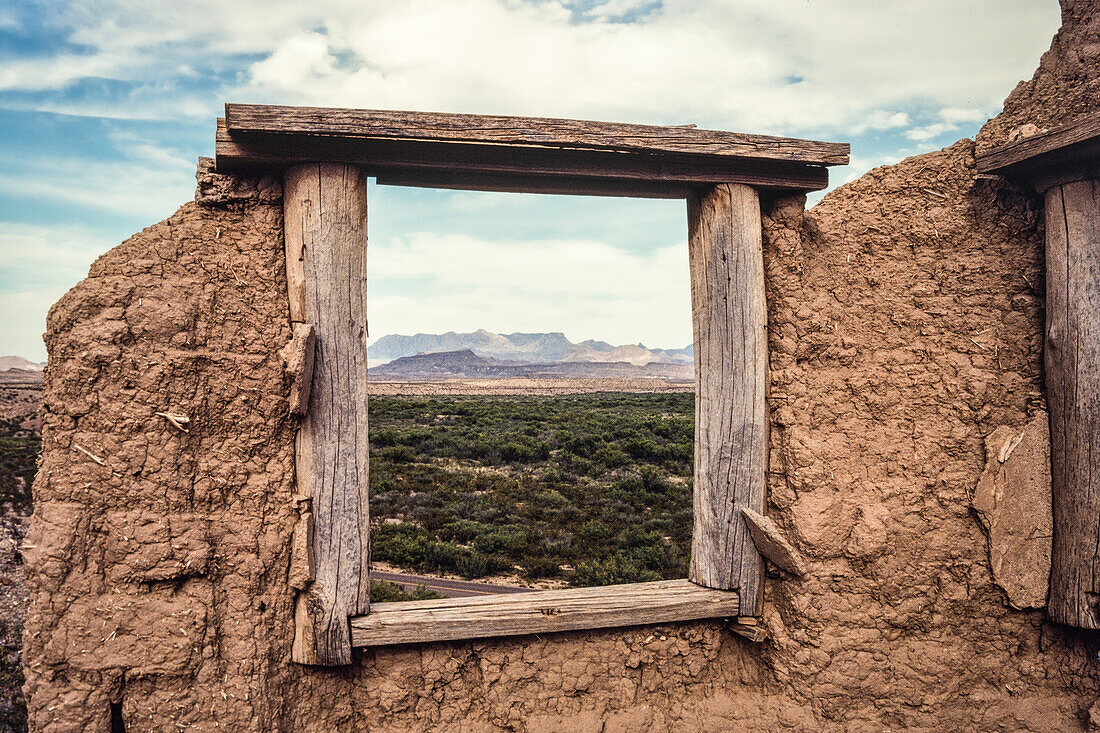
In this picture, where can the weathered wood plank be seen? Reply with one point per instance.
(541, 184)
(540, 612)
(520, 169)
(1072, 360)
(1064, 138)
(503, 130)
(729, 316)
(325, 216)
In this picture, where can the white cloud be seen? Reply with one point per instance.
(955, 115)
(56, 72)
(780, 66)
(950, 120)
(462, 282)
(880, 120)
(153, 182)
(40, 264)
(927, 132)
(841, 69)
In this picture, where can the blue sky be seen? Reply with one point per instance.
(105, 104)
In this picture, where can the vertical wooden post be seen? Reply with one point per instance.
(1072, 360)
(729, 316)
(325, 225)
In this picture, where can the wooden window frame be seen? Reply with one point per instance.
(326, 156)
(1062, 165)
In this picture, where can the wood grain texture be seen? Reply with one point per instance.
(1072, 361)
(568, 185)
(729, 316)
(514, 168)
(1074, 138)
(529, 131)
(325, 217)
(540, 612)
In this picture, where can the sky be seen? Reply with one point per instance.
(106, 104)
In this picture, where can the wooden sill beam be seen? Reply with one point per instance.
(527, 131)
(540, 612)
(522, 169)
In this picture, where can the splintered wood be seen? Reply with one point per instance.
(303, 567)
(729, 315)
(325, 215)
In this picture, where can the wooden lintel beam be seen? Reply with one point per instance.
(1072, 143)
(474, 166)
(539, 612)
(528, 131)
(518, 183)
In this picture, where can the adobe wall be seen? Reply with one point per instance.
(905, 317)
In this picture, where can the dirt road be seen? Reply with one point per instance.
(446, 586)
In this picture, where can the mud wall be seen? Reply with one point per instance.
(905, 316)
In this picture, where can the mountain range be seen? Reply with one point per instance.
(465, 364)
(18, 362)
(523, 348)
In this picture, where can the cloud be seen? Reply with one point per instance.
(432, 282)
(782, 66)
(152, 184)
(57, 72)
(8, 20)
(40, 263)
(893, 76)
(950, 120)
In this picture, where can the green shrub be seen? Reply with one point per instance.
(383, 591)
(611, 571)
(541, 567)
(18, 465)
(485, 484)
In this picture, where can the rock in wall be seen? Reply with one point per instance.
(905, 318)
(1013, 503)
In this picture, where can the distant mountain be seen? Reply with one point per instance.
(527, 348)
(465, 364)
(18, 362)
